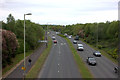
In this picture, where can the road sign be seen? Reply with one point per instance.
(23, 68)
(45, 41)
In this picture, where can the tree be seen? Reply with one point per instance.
(11, 23)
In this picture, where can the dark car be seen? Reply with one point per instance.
(75, 42)
(91, 61)
(76, 38)
(55, 41)
(97, 53)
(116, 69)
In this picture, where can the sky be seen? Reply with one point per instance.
(60, 12)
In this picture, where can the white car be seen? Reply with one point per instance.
(97, 53)
(65, 34)
(53, 37)
(75, 42)
(80, 47)
(69, 37)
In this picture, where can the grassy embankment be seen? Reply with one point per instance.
(34, 71)
(103, 52)
(18, 58)
(15, 61)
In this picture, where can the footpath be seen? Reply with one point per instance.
(17, 72)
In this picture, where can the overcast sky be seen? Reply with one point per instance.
(62, 12)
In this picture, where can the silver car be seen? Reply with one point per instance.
(97, 53)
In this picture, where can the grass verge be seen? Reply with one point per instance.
(102, 52)
(15, 60)
(33, 73)
(85, 73)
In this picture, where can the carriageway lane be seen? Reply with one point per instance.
(104, 67)
(60, 62)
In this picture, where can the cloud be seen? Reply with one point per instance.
(61, 11)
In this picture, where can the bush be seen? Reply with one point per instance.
(100, 46)
(9, 46)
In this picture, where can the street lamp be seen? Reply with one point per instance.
(24, 39)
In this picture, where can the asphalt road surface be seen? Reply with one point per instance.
(60, 62)
(104, 67)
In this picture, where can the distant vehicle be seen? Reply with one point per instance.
(57, 32)
(65, 34)
(69, 37)
(55, 41)
(75, 42)
(91, 61)
(80, 47)
(53, 37)
(97, 53)
(76, 38)
(116, 69)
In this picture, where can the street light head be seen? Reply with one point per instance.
(28, 14)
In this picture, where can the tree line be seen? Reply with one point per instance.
(13, 38)
(105, 34)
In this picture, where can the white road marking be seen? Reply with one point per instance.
(58, 70)
(61, 43)
(58, 64)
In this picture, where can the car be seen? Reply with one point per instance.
(76, 38)
(57, 32)
(80, 47)
(69, 37)
(75, 42)
(53, 37)
(97, 53)
(116, 69)
(91, 61)
(55, 41)
(65, 35)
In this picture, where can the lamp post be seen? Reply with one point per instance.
(47, 35)
(24, 40)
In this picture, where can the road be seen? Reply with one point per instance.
(60, 62)
(104, 67)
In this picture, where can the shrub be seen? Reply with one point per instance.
(9, 46)
(100, 46)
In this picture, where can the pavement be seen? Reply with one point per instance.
(60, 62)
(18, 72)
(104, 67)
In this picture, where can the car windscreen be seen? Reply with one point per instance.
(91, 59)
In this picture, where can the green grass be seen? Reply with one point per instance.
(102, 52)
(15, 60)
(85, 73)
(34, 71)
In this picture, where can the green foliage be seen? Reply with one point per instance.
(34, 32)
(99, 46)
(106, 33)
